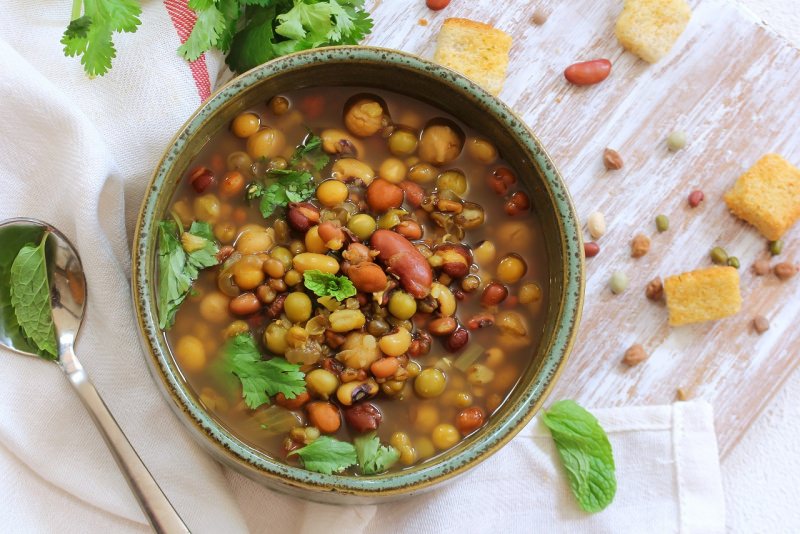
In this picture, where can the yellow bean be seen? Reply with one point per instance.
(306, 261)
(346, 320)
(191, 354)
(445, 436)
(314, 242)
(395, 344)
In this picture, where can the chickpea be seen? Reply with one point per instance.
(232, 184)
(240, 161)
(247, 272)
(266, 143)
(245, 124)
(279, 105)
(364, 116)
(297, 307)
(445, 436)
(425, 417)
(207, 208)
(362, 225)
(293, 278)
(274, 268)
(424, 447)
(314, 242)
(430, 383)
(253, 241)
(235, 328)
(454, 181)
(530, 292)
(484, 253)
(402, 142)
(275, 338)
(402, 305)
(393, 170)
(214, 307)
(441, 142)
(511, 268)
(225, 232)
(331, 193)
(322, 383)
(395, 344)
(481, 150)
(422, 173)
(283, 255)
(191, 354)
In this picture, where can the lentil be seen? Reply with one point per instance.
(785, 270)
(696, 197)
(612, 160)
(761, 267)
(654, 289)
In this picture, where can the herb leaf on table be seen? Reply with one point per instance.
(585, 453)
(261, 379)
(327, 455)
(30, 297)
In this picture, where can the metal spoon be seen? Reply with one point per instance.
(68, 297)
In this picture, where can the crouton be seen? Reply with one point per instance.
(702, 295)
(649, 28)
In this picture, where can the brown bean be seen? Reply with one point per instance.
(385, 367)
(421, 345)
(276, 308)
(409, 229)
(292, 404)
(403, 259)
(493, 294)
(383, 195)
(225, 253)
(414, 193)
(367, 277)
(469, 419)
(760, 324)
(655, 289)
(518, 203)
(302, 216)
(696, 197)
(325, 416)
(634, 355)
(761, 267)
(454, 259)
(443, 326)
(363, 417)
(456, 341)
(785, 270)
(501, 179)
(357, 253)
(588, 72)
(245, 304)
(201, 178)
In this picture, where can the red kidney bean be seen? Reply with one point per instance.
(696, 197)
(591, 249)
(403, 259)
(493, 294)
(302, 216)
(501, 179)
(469, 419)
(457, 340)
(518, 203)
(363, 417)
(201, 178)
(245, 304)
(588, 72)
(437, 5)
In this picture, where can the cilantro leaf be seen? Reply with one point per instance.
(326, 284)
(253, 44)
(90, 35)
(327, 455)
(30, 297)
(180, 260)
(261, 379)
(291, 186)
(211, 27)
(310, 150)
(306, 21)
(585, 453)
(374, 458)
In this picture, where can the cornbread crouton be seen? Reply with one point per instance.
(702, 295)
(649, 28)
(476, 50)
(767, 196)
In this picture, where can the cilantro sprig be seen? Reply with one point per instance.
(327, 455)
(374, 458)
(328, 285)
(261, 379)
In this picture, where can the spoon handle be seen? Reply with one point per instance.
(154, 503)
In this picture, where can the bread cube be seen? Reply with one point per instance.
(703, 295)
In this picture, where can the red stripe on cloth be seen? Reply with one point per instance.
(183, 19)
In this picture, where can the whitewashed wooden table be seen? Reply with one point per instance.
(733, 87)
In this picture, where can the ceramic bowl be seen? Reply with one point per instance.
(453, 93)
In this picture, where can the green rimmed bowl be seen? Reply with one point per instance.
(412, 76)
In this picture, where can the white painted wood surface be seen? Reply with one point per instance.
(733, 87)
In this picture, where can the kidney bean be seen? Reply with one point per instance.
(421, 345)
(696, 197)
(591, 249)
(414, 193)
(331, 232)
(302, 216)
(367, 277)
(292, 404)
(325, 416)
(518, 203)
(588, 72)
(245, 304)
(201, 178)
(409, 229)
(403, 259)
(501, 179)
(363, 417)
(456, 341)
(469, 419)
(493, 294)
(383, 195)
(437, 5)
(455, 259)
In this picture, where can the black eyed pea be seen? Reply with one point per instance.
(335, 141)
(447, 301)
(349, 169)
(351, 392)
(322, 383)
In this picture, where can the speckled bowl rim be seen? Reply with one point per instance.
(252, 462)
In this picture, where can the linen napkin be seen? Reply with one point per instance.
(78, 153)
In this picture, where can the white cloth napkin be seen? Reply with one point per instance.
(78, 153)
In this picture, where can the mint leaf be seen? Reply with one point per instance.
(261, 379)
(90, 35)
(327, 455)
(326, 284)
(585, 453)
(12, 239)
(30, 297)
(373, 457)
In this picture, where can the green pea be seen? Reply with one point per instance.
(362, 225)
(733, 261)
(662, 223)
(618, 282)
(776, 247)
(676, 140)
(719, 256)
(402, 305)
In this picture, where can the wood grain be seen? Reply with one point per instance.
(733, 86)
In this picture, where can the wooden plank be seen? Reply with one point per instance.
(733, 86)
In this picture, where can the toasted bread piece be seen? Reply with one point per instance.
(702, 295)
(767, 196)
(649, 28)
(476, 50)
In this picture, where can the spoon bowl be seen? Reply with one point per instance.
(68, 301)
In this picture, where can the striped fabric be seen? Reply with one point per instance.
(183, 19)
